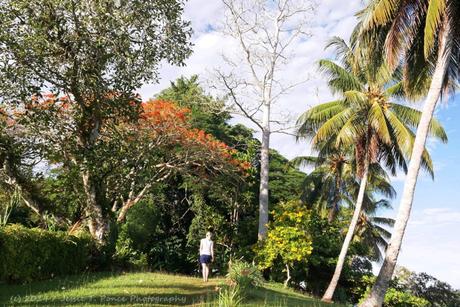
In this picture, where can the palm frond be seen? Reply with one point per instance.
(378, 121)
(313, 118)
(340, 80)
(435, 12)
(332, 126)
(305, 161)
(383, 221)
(412, 117)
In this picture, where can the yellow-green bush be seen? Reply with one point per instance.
(30, 253)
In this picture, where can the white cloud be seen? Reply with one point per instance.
(333, 17)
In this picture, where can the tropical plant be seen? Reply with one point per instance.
(230, 296)
(425, 37)
(374, 231)
(244, 275)
(365, 118)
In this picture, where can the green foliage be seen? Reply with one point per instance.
(230, 296)
(207, 112)
(285, 181)
(29, 254)
(6, 207)
(244, 275)
(425, 286)
(288, 236)
(122, 53)
(395, 297)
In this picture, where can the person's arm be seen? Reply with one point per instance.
(201, 247)
(212, 251)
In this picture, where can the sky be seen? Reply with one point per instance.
(432, 240)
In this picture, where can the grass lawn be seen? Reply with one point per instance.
(138, 289)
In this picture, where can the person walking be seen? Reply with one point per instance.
(206, 254)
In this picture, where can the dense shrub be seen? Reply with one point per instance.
(30, 253)
(396, 297)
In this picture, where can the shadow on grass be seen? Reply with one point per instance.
(271, 297)
(119, 300)
(147, 285)
(8, 291)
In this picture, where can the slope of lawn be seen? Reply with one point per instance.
(138, 289)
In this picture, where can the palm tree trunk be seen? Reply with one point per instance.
(264, 168)
(377, 294)
(327, 297)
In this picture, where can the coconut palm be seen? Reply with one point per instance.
(332, 184)
(373, 231)
(324, 186)
(425, 36)
(366, 118)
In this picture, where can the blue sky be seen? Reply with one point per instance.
(432, 241)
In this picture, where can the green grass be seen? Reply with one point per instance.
(139, 289)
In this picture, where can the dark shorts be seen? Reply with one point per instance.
(205, 259)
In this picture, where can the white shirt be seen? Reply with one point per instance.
(206, 247)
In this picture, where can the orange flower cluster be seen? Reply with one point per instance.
(165, 117)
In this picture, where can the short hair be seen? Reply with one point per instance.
(209, 233)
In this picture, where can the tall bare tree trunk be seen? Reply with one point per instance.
(327, 297)
(377, 294)
(264, 169)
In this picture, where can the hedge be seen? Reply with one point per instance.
(28, 254)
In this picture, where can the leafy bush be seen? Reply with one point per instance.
(244, 275)
(395, 298)
(288, 238)
(30, 253)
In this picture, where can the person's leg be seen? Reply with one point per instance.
(207, 271)
(203, 270)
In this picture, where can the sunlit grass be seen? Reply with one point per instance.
(139, 289)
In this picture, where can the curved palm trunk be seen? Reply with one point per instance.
(264, 168)
(377, 294)
(327, 297)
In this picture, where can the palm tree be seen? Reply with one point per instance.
(332, 184)
(324, 187)
(373, 230)
(365, 118)
(425, 36)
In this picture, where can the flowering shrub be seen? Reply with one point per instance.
(287, 238)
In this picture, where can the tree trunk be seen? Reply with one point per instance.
(264, 169)
(377, 294)
(335, 203)
(327, 297)
(288, 276)
(98, 226)
(14, 180)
